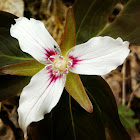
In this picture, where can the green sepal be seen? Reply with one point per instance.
(76, 89)
(69, 37)
(27, 68)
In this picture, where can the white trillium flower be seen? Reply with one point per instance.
(98, 56)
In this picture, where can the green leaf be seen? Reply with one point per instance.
(127, 23)
(6, 19)
(69, 37)
(11, 85)
(75, 88)
(92, 19)
(126, 117)
(68, 121)
(10, 52)
(28, 68)
(91, 16)
(99, 90)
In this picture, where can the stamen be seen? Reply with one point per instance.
(49, 67)
(51, 58)
(61, 57)
(69, 64)
(65, 71)
(56, 72)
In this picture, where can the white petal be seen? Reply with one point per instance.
(39, 97)
(98, 56)
(33, 38)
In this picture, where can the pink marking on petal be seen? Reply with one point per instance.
(48, 67)
(75, 60)
(53, 77)
(50, 52)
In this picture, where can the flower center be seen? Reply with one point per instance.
(58, 65)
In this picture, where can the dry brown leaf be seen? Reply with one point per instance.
(15, 7)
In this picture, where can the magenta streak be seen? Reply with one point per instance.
(53, 77)
(50, 52)
(49, 67)
(75, 60)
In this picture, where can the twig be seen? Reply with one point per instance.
(0, 106)
(132, 95)
(124, 84)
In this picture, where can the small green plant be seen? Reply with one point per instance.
(126, 117)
